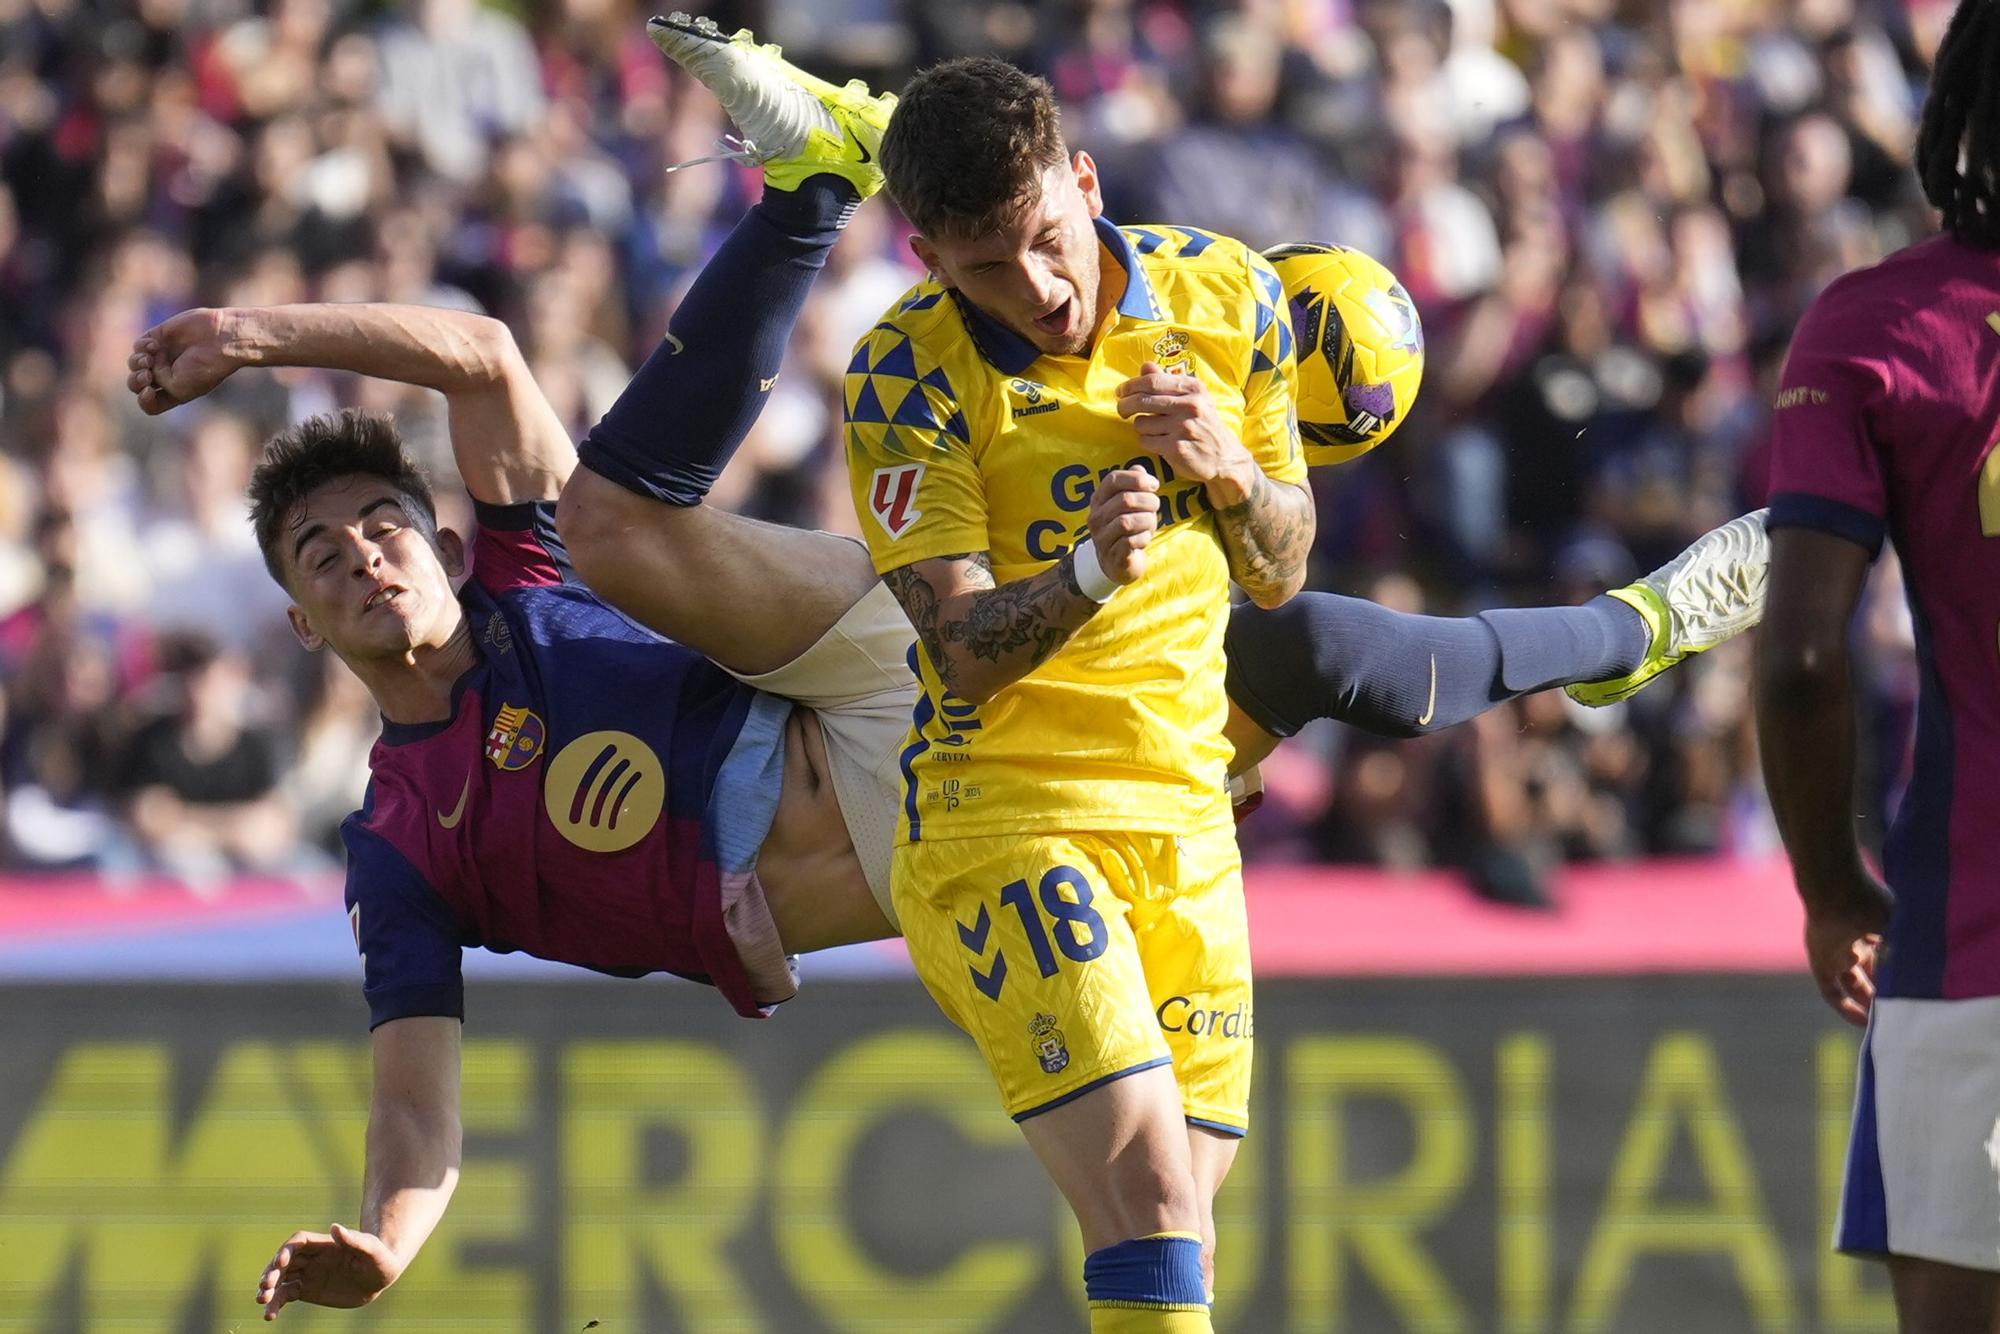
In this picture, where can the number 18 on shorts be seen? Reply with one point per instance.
(1073, 959)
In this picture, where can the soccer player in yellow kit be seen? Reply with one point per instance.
(1063, 447)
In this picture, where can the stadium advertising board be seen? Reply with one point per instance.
(1508, 1154)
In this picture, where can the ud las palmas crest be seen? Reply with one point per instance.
(516, 738)
(1050, 1048)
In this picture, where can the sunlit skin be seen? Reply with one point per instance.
(1041, 273)
(368, 583)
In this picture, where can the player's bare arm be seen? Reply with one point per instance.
(414, 1139)
(1805, 726)
(507, 441)
(984, 636)
(1267, 526)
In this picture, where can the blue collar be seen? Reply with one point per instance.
(1011, 354)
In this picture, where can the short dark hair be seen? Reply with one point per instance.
(328, 448)
(967, 145)
(1962, 119)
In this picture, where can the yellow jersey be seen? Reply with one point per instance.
(962, 437)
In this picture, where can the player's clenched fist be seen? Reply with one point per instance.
(1177, 419)
(180, 360)
(1124, 513)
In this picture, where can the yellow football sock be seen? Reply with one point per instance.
(1136, 1320)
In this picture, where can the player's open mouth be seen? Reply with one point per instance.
(1057, 320)
(382, 597)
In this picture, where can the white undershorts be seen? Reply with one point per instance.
(857, 680)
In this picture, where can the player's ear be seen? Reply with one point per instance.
(927, 256)
(451, 551)
(311, 640)
(1087, 183)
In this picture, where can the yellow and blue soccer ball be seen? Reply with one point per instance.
(1360, 348)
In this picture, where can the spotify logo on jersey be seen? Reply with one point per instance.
(605, 790)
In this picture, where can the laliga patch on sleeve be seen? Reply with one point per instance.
(892, 496)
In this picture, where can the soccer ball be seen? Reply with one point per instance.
(1360, 348)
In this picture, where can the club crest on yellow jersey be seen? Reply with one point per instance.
(1051, 1048)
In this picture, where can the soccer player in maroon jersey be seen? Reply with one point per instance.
(557, 779)
(1885, 428)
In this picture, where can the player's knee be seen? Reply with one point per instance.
(597, 518)
(1149, 1198)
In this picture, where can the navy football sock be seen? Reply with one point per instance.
(1325, 656)
(689, 407)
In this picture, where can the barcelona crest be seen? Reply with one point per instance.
(516, 739)
(1050, 1048)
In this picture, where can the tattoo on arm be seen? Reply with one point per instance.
(919, 604)
(1015, 627)
(1268, 535)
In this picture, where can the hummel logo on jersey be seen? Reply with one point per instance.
(1030, 398)
(893, 497)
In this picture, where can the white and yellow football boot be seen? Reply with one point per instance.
(1709, 593)
(787, 121)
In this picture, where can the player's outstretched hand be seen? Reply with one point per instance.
(1124, 514)
(341, 1268)
(179, 360)
(1841, 942)
(1177, 419)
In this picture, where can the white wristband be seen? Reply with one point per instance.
(1090, 576)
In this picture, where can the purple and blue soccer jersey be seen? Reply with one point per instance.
(1884, 427)
(592, 791)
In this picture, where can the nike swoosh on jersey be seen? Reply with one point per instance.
(458, 811)
(1430, 705)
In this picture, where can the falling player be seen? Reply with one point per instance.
(485, 693)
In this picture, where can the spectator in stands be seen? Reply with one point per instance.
(1610, 215)
(200, 778)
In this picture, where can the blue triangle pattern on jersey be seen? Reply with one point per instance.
(867, 405)
(916, 411)
(859, 366)
(1149, 241)
(938, 381)
(1259, 363)
(957, 427)
(1267, 280)
(1195, 241)
(1284, 343)
(899, 360)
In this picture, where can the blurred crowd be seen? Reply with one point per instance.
(1610, 212)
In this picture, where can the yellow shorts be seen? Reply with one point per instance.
(1073, 959)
